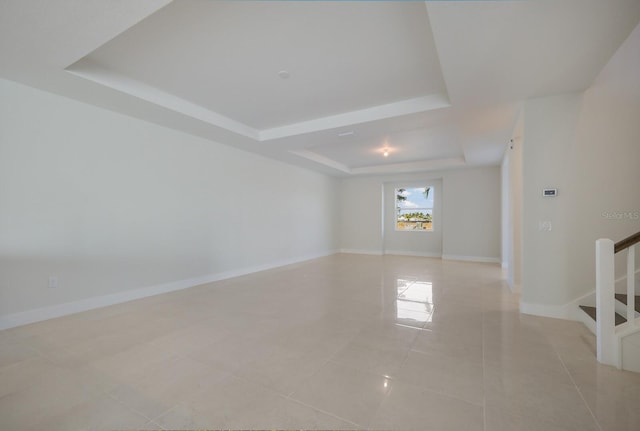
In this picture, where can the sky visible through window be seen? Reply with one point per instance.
(415, 199)
(414, 208)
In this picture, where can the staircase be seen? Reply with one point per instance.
(616, 317)
(622, 298)
(621, 304)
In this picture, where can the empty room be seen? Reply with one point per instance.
(341, 215)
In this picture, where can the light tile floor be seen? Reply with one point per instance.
(343, 342)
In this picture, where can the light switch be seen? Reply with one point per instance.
(545, 226)
(53, 282)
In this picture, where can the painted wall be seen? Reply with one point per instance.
(550, 135)
(471, 214)
(470, 219)
(108, 203)
(360, 195)
(512, 207)
(586, 145)
(505, 216)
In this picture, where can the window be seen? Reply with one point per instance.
(414, 209)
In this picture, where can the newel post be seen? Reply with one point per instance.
(605, 306)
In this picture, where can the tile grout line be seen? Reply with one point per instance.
(484, 374)
(286, 396)
(595, 419)
(117, 400)
(167, 410)
(159, 427)
(320, 410)
(314, 372)
(330, 360)
(290, 395)
(388, 394)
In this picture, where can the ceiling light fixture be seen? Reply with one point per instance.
(284, 74)
(345, 134)
(385, 152)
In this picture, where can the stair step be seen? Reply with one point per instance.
(591, 311)
(623, 298)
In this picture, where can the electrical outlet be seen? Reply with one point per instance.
(53, 282)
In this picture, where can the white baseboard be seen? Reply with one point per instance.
(45, 313)
(480, 259)
(544, 310)
(391, 252)
(360, 251)
(568, 311)
(423, 254)
(412, 253)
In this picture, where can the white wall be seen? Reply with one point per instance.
(505, 216)
(550, 127)
(470, 218)
(109, 204)
(471, 214)
(357, 196)
(588, 146)
(512, 200)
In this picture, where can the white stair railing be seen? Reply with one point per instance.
(608, 340)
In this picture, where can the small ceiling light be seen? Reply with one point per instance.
(385, 152)
(347, 133)
(284, 74)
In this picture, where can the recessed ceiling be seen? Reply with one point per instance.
(225, 56)
(438, 83)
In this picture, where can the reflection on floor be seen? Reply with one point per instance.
(415, 302)
(343, 342)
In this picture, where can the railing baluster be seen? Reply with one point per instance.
(631, 291)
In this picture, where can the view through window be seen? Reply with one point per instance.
(414, 209)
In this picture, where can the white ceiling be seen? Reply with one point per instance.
(231, 53)
(439, 84)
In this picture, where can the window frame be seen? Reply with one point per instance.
(398, 209)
